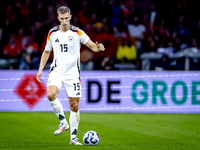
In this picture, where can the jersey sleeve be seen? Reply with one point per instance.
(48, 46)
(84, 37)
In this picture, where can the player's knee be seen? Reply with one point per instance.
(51, 96)
(74, 107)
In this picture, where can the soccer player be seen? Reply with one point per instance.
(65, 40)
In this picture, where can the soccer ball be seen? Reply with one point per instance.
(91, 138)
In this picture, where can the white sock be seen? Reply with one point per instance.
(74, 121)
(58, 109)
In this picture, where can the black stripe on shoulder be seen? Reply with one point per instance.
(54, 29)
(73, 28)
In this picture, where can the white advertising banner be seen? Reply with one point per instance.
(107, 91)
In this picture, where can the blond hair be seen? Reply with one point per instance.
(63, 10)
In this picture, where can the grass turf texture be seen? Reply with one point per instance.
(117, 131)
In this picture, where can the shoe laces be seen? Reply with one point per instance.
(75, 139)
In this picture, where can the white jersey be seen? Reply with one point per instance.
(66, 50)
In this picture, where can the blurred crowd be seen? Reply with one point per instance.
(127, 28)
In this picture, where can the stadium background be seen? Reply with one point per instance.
(151, 65)
(129, 29)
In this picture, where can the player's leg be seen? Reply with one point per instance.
(74, 119)
(53, 86)
(52, 92)
(73, 91)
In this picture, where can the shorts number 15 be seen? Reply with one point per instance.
(76, 86)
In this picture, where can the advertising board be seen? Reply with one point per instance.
(107, 91)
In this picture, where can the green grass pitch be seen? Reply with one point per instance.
(24, 131)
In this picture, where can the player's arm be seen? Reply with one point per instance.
(43, 61)
(95, 46)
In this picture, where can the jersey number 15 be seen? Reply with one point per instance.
(63, 47)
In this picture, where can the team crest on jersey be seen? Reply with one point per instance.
(71, 38)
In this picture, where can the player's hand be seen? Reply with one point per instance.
(100, 46)
(38, 76)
